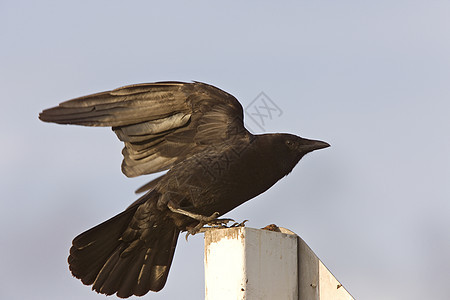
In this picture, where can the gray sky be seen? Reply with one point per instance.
(372, 78)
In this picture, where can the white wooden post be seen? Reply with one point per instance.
(248, 263)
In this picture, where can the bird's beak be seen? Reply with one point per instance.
(311, 145)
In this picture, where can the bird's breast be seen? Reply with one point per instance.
(221, 178)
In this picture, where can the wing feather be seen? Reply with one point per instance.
(160, 123)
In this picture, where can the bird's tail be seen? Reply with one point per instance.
(128, 254)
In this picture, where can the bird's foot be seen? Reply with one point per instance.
(213, 223)
(219, 224)
(202, 220)
(236, 224)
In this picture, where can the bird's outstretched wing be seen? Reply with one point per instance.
(160, 123)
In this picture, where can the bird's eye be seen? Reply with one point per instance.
(290, 143)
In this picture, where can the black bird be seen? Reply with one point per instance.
(195, 131)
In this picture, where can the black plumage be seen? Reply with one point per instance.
(195, 131)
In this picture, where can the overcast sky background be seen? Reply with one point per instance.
(372, 78)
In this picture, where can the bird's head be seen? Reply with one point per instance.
(289, 149)
(301, 146)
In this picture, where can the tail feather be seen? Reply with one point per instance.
(106, 258)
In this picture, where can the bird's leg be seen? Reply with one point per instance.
(202, 220)
(194, 216)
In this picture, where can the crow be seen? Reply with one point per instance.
(196, 132)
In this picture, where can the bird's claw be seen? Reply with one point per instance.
(220, 223)
(212, 219)
(213, 224)
(236, 224)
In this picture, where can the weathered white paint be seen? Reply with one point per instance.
(224, 265)
(248, 263)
